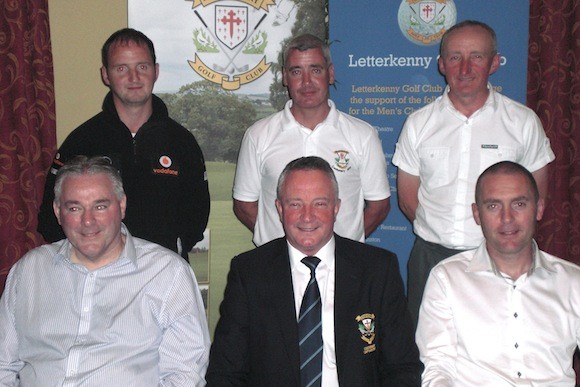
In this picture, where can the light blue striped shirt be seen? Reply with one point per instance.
(139, 321)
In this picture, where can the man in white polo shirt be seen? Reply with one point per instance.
(310, 125)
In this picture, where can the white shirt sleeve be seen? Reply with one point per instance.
(247, 184)
(436, 334)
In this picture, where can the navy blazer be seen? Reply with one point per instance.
(256, 338)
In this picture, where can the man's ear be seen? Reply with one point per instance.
(105, 76)
(494, 64)
(540, 209)
(123, 205)
(475, 211)
(331, 74)
(279, 208)
(56, 209)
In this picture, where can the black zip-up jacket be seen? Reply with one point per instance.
(163, 173)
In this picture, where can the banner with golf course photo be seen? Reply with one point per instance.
(219, 72)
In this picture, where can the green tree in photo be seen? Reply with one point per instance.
(216, 117)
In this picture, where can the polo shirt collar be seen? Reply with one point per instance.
(289, 122)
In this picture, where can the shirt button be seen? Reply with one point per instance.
(519, 374)
(516, 345)
(516, 315)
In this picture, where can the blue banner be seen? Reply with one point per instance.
(385, 59)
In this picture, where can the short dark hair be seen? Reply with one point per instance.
(307, 42)
(506, 168)
(310, 163)
(83, 165)
(469, 23)
(124, 36)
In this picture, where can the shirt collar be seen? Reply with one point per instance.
(491, 100)
(482, 261)
(128, 254)
(289, 122)
(325, 254)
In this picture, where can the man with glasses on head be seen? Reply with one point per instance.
(101, 307)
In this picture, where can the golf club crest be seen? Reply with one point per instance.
(229, 43)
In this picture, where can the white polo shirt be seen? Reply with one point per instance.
(351, 146)
(448, 151)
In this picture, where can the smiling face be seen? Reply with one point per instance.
(467, 60)
(307, 207)
(130, 74)
(507, 212)
(90, 215)
(307, 76)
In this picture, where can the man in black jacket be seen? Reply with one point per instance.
(313, 308)
(161, 164)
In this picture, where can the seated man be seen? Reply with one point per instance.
(506, 313)
(100, 308)
(313, 308)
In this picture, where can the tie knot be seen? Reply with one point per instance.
(311, 262)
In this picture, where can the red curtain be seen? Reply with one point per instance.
(554, 93)
(27, 124)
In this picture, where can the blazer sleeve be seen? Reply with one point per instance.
(400, 365)
(229, 360)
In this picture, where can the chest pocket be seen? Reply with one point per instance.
(490, 156)
(434, 166)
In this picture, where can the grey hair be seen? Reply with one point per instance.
(310, 163)
(307, 42)
(83, 165)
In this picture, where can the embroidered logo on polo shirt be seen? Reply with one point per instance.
(341, 160)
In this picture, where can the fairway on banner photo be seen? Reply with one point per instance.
(385, 59)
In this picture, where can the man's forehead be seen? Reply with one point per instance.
(505, 183)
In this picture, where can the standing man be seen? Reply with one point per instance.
(161, 164)
(507, 313)
(444, 146)
(313, 307)
(100, 308)
(311, 125)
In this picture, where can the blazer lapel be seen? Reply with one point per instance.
(279, 285)
(346, 298)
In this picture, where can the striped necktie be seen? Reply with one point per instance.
(310, 329)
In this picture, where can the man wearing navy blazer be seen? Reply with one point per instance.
(367, 333)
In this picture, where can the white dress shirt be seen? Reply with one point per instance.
(325, 279)
(448, 151)
(479, 328)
